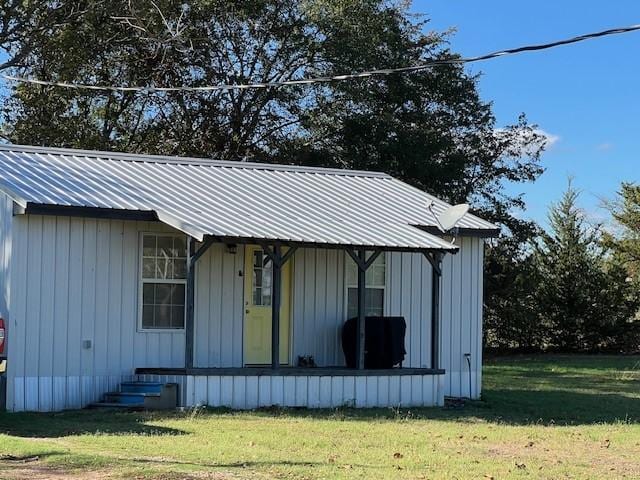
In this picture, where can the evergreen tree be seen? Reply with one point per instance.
(624, 267)
(583, 297)
(569, 264)
(510, 306)
(626, 212)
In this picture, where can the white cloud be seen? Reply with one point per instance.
(543, 139)
(604, 147)
(550, 138)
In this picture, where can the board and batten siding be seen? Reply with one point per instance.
(6, 221)
(75, 280)
(219, 308)
(317, 300)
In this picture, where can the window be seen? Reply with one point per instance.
(262, 271)
(163, 278)
(374, 291)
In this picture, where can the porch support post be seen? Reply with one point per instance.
(276, 287)
(360, 346)
(363, 264)
(277, 261)
(435, 259)
(189, 327)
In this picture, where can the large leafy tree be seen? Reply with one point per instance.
(430, 128)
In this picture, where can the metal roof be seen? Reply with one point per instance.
(233, 199)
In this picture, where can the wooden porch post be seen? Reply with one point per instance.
(276, 287)
(436, 276)
(277, 262)
(363, 264)
(360, 345)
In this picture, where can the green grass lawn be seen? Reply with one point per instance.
(540, 417)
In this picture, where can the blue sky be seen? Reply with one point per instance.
(587, 95)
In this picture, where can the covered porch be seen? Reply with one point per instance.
(279, 379)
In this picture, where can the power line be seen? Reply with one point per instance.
(333, 78)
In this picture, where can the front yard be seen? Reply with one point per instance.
(541, 417)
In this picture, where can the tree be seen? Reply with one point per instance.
(625, 264)
(510, 307)
(582, 295)
(626, 212)
(569, 262)
(430, 129)
(25, 24)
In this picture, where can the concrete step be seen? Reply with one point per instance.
(141, 387)
(141, 395)
(129, 398)
(116, 406)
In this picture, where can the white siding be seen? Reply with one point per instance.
(6, 250)
(219, 308)
(461, 302)
(318, 305)
(312, 391)
(409, 295)
(6, 220)
(319, 309)
(76, 279)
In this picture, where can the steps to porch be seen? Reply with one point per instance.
(141, 396)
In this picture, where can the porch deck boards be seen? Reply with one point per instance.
(290, 371)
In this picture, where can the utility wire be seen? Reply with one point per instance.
(333, 78)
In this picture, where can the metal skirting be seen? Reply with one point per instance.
(307, 391)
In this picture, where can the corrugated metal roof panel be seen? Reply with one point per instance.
(232, 199)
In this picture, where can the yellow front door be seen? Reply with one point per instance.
(257, 318)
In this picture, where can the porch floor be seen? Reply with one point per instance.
(289, 371)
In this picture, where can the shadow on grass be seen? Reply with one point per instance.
(523, 407)
(500, 406)
(513, 407)
(54, 425)
(571, 390)
(504, 406)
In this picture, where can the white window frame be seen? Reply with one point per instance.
(142, 281)
(349, 261)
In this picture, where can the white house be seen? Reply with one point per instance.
(218, 275)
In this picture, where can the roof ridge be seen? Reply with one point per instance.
(198, 161)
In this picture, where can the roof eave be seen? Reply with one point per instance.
(152, 215)
(463, 231)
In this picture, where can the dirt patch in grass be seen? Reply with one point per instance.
(33, 470)
(601, 458)
(20, 471)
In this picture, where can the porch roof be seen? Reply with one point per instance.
(232, 200)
